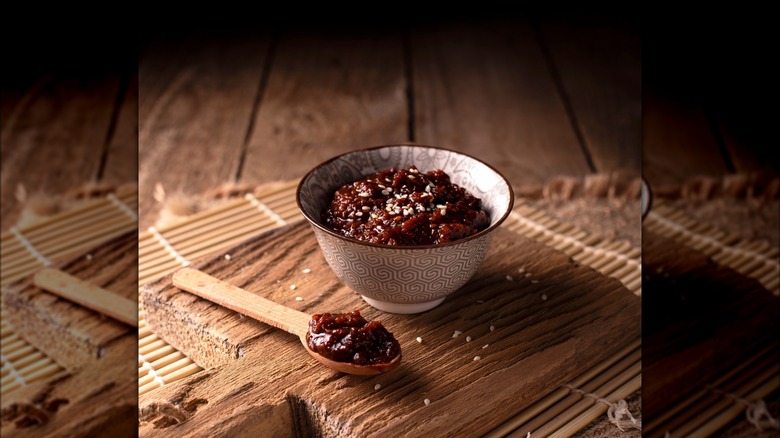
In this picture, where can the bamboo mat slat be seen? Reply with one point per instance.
(26, 249)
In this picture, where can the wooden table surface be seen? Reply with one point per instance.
(535, 96)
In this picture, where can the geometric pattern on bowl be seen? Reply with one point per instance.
(403, 275)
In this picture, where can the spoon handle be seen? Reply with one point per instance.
(242, 301)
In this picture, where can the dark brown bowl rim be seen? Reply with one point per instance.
(405, 247)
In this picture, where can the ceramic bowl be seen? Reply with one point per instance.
(403, 279)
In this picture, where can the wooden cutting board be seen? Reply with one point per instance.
(96, 394)
(532, 332)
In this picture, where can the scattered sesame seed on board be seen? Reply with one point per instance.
(307, 271)
(544, 297)
(377, 386)
(534, 281)
(227, 257)
(485, 346)
(298, 298)
(521, 270)
(528, 274)
(419, 339)
(456, 333)
(89, 256)
(492, 328)
(427, 401)
(509, 277)
(477, 358)
(293, 287)
(468, 338)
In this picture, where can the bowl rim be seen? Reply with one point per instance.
(328, 231)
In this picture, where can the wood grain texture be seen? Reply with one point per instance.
(538, 343)
(490, 94)
(327, 94)
(68, 333)
(54, 140)
(598, 61)
(195, 101)
(700, 320)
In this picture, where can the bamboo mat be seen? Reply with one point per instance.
(736, 392)
(24, 250)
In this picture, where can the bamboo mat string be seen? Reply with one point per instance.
(165, 244)
(29, 246)
(145, 364)
(122, 206)
(618, 414)
(756, 412)
(265, 209)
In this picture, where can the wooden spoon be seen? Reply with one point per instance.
(261, 309)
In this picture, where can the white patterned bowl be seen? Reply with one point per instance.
(403, 279)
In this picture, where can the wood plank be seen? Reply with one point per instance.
(120, 165)
(699, 320)
(328, 93)
(195, 101)
(679, 140)
(598, 61)
(490, 94)
(678, 143)
(55, 141)
(68, 333)
(538, 343)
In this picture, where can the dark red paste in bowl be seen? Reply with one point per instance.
(348, 337)
(405, 207)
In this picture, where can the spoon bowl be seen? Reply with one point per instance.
(263, 310)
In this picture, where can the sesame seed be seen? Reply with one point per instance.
(477, 358)
(89, 256)
(388, 180)
(544, 297)
(307, 271)
(365, 208)
(492, 328)
(468, 338)
(227, 257)
(298, 298)
(485, 346)
(480, 301)
(427, 401)
(521, 270)
(293, 287)
(456, 334)
(419, 339)
(385, 192)
(412, 170)
(364, 194)
(534, 281)
(444, 212)
(527, 274)
(377, 386)
(509, 277)
(359, 214)
(373, 216)
(411, 177)
(381, 186)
